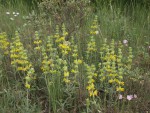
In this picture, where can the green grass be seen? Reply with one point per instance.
(48, 92)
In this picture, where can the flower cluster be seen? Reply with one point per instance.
(37, 42)
(46, 62)
(19, 59)
(130, 57)
(60, 39)
(91, 45)
(129, 97)
(90, 75)
(15, 14)
(76, 62)
(64, 45)
(94, 27)
(66, 72)
(94, 31)
(4, 44)
(111, 67)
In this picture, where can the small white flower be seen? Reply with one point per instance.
(14, 13)
(97, 32)
(17, 13)
(8, 13)
(125, 41)
(120, 96)
(135, 96)
(11, 18)
(149, 47)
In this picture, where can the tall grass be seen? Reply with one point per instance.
(74, 62)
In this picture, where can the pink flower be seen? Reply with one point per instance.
(129, 97)
(120, 97)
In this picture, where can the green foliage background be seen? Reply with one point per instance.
(33, 3)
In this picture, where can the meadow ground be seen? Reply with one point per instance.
(74, 57)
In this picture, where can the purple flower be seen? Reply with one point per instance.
(129, 97)
(120, 97)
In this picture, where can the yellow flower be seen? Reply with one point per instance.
(103, 78)
(73, 71)
(94, 32)
(116, 80)
(121, 83)
(63, 46)
(112, 57)
(18, 44)
(56, 36)
(93, 93)
(28, 79)
(37, 42)
(74, 54)
(66, 33)
(79, 61)
(27, 86)
(61, 39)
(120, 89)
(14, 56)
(66, 80)
(90, 87)
(111, 81)
(66, 74)
(37, 48)
(91, 81)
